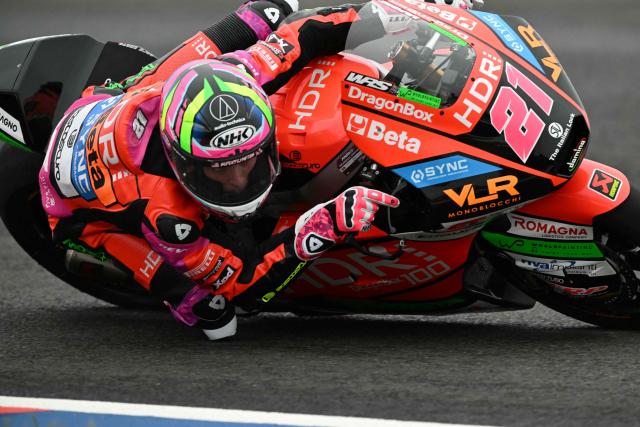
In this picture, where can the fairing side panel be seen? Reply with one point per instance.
(594, 190)
(310, 129)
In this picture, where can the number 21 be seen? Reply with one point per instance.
(521, 126)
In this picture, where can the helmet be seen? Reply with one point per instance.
(218, 133)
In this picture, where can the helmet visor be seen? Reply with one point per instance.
(232, 183)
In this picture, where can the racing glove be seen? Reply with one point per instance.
(329, 223)
(462, 4)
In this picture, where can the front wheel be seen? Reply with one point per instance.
(600, 287)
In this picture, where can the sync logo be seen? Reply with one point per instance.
(443, 170)
(377, 131)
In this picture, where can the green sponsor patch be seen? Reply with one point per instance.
(98, 254)
(419, 97)
(448, 34)
(543, 248)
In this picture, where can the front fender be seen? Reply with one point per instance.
(594, 190)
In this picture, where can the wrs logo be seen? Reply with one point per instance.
(377, 131)
(495, 186)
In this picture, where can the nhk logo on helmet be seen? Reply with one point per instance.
(377, 131)
(233, 137)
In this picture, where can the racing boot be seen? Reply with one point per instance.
(216, 317)
(200, 308)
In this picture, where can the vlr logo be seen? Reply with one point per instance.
(605, 184)
(494, 186)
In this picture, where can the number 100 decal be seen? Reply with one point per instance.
(510, 115)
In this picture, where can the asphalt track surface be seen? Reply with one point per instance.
(527, 368)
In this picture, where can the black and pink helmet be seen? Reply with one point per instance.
(218, 130)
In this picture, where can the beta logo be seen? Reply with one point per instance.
(605, 184)
(439, 171)
(233, 137)
(377, 131)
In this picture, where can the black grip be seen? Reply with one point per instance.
(231, 34)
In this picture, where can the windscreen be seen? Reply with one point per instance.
(425, 63)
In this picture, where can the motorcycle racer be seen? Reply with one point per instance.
(136, 169)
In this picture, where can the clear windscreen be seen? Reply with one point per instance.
(420, 58)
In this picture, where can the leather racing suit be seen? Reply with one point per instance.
(106, 184)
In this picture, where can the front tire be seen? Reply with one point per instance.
(612, 300)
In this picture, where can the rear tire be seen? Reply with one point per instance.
(26, 221)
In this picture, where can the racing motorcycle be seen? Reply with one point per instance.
(467, 117)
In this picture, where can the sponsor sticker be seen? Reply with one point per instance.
(11, 126)
(368, 81)
(224, 108)
(543, 248)
(605, 184)
(397, 106)
(233, 137)
(562, 133)
(283, 46)
(264, 52)
(477, 99)
(224, 277)
(550, 61)
(577, 155)
(545, 229)
(561, 267)
(496, 187)
(309, 101)
(508, 36)
(377, 131)
(443, 170)
(419, 97)
(579, 292)
(80, 177)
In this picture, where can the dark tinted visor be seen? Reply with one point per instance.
(232, 183)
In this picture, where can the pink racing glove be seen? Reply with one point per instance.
(329, 223)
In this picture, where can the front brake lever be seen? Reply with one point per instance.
(351, 241)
